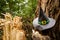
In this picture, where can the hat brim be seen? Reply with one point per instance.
(44, 27)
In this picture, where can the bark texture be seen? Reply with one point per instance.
(52, 9)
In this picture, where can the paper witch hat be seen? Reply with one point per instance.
(43, 22)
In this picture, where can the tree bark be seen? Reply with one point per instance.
(53, 11)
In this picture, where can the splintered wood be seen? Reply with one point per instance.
(37, 36)
(12, 28)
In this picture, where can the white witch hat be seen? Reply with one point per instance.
(37, 22)
(44, 27)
